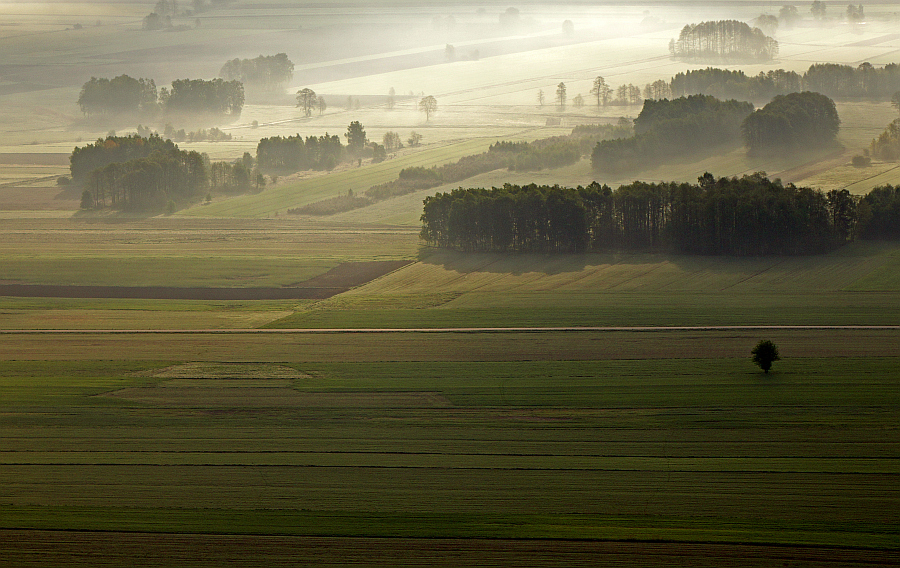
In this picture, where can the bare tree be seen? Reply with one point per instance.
(321, 105)
(540, 97)
(602, 91)
(390, 100)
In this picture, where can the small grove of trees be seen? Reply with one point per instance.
(887, 146)
(790, 121)
(126, 95)
(669, 128)
(266, 71)
(120, 95)
(197, 96)
(729, 39)
(750, 215)
(294, 153)
(164, 174)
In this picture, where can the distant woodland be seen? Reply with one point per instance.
(751, 215)
(792, 121)
(830, 79)
(267, 72)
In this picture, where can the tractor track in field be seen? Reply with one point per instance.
(240, 331)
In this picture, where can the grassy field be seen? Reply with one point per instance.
(674, 450)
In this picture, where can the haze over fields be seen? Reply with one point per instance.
(407, 283)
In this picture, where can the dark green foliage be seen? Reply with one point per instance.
(792, 121)
(882, 207)
(292, 153)
(267, 72)
(356, 138)
(666, 129)
(724, 38)
(196, 96)
(764, 354)
(121, 95)
(750, 215)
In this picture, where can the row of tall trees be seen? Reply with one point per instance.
(670, 128)
(830, 79)
(127, 95)
(267, 72)
(792, 121)
(751, 215)
(731, 39)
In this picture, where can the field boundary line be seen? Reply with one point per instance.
(239, 331)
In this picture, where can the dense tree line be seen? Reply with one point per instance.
(120, 95)
(670, 128)
(551, 152)
(791, 121)
(125, 94)
(148, 182)
(830, 79)
(723, 83)
(294, 153)
(197, 96)
(266, 71)
(730, 39)
(750, 215)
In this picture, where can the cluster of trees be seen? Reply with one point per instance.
(308, 101)
(730, 39)
(148, 173)
(120, 95)
(887, 146)
(127, 95)
(523, 156)
(791, 121)
(197, 96)
(294, 153)
(880, 213)
(669, 128)
(735, 216)
(830, 79)
(266, 71)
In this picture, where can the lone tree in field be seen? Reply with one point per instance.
(428, 105)
(764, 354)
(307, 100)
(356, 138)
(561, 96)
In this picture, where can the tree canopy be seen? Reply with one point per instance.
(122, 94)
(790, 121)
(729, 39)
(266, 71)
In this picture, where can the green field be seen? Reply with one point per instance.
(672, 450)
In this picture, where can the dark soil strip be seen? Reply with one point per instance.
(337, 280)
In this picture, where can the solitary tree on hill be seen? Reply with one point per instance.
(764, 354)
